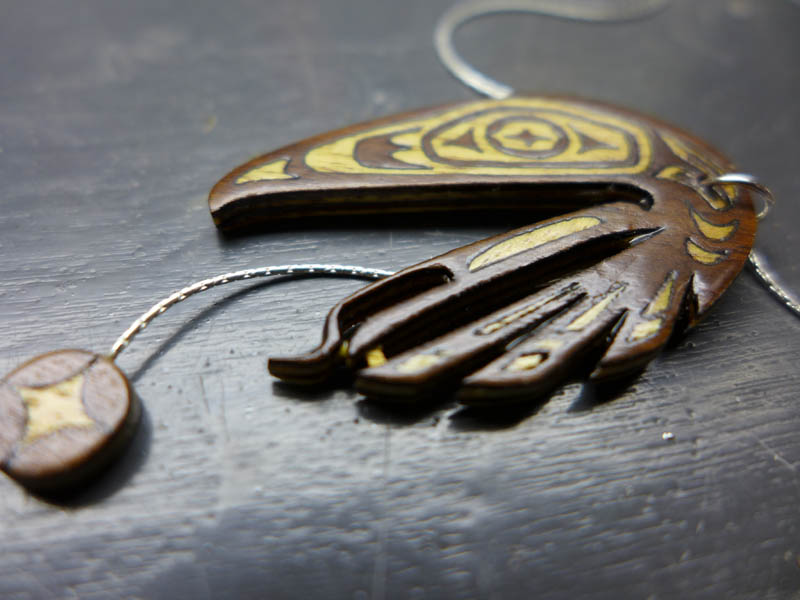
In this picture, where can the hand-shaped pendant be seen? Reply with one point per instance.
(642, 246)
(644, 240)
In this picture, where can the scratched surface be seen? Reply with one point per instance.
(116, 119)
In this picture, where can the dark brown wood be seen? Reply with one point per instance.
(63, 417)
(641, 249)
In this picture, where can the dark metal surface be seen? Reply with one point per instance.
(115, 121)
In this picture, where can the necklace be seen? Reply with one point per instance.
(650, 226)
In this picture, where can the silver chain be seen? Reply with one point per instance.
(592, 11)
(201, 286)
(463, 12)
(767, 277)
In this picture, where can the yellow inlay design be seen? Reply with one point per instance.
(268, 172)
(730, 189)
(657, 305)
(712, 231)
(706, 165)
(515, 136)
(55, 407)
(590, 315)
(701, 255)
(376, 357)
(508, 319)
(420, 362)
(526, 362)
(661, 302)
(532, 239)
(549, 345)
(646, 329)
(682, 175)
(685, 152)
(344, 349)
(678, 147)
(673, 173)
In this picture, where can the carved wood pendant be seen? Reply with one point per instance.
(63, 417)
(631, 246)
(640, 249)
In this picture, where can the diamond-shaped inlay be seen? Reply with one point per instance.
(54, 408)
(527, 137)
(64, 416)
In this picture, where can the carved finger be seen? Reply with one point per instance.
(464, 285)
(439, 365)
(560, 350)
(670, 310)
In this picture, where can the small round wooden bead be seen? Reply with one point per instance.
(63, 416)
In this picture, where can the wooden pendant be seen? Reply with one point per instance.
(63, 416)
(629, 245)
(640, 248)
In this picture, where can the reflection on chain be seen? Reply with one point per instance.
(201, 286)
(457, 15)
(767, 277)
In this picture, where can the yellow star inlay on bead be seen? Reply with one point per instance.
(54, 407)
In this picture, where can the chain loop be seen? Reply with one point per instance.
(749, 181)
